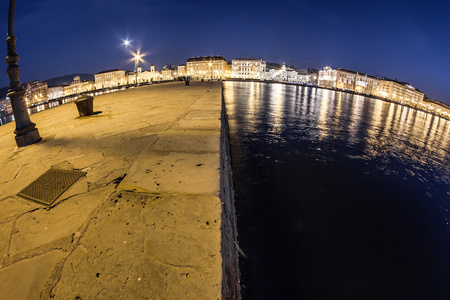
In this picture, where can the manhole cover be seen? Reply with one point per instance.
(50, 185)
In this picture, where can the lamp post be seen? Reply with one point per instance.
(136, 63)
(26, 131)
(137, 57)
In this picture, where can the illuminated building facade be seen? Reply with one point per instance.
(5, 107)
(248, 68)
(357, 82)
(55, 92)
(206, 67)
(36, 92)
(181, 71)
(133, 76)
(307, 76)
(110, 78)
(77, 86)
(328, 77)
(348, 80)
(399, 91)
(168, 73)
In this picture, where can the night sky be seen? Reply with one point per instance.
(408, 40)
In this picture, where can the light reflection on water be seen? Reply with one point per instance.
(353, 192)
(329, 114)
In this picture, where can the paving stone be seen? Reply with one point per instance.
(197, 124)
(203, 114)
(188, 140)
(5, 234)
(26, 279)
(173, 254)
(174, 173)
(14, 206)
(43, 226)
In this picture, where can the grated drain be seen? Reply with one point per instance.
(50, 185)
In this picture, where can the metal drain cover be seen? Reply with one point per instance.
(50, 185)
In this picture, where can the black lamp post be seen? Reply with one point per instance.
(26, 131)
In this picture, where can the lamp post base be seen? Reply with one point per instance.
(28, 138)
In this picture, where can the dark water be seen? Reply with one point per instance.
(338, 196)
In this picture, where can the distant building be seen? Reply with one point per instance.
(110, 78)
(307, 76)
(133, 76)
(244, 68)
(181, 71)
(151, 75)
(168, 72)
(36, 92)
(5, 107)
(399, 91)
(146, 76)
(357, 82)
(206, 67)
(55, 92)
(77, 86)
(348, 80)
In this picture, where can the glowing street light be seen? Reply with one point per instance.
(137, 57)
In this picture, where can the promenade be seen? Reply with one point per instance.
(145, 220)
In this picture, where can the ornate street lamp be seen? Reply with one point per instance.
(26, 131)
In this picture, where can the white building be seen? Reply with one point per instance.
(181, 70)
(328, 77)
(5, 106)
(206, 67)
(243, 68)
(55, 92)
(110, 78)
(168, 73)
(77, 86)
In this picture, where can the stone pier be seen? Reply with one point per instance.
(151, 219)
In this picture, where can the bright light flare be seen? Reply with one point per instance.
(126, 43)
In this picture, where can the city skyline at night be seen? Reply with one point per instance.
(396, 39)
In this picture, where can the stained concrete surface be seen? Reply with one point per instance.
(144, 223)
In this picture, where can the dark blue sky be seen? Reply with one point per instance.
(408, 40)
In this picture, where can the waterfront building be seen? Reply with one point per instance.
(206, 67)
(146, 76)
(283, 74)
(244, 68)
(327, 77)
(5, 106)
(228, 70)
(348, 80)
(77, 86)
(55, 92)
(133, 76)
(168, 73)
(36, 92)
(399, 91)
(307, 76)
(181, 71)
(358, 82)
(153, 74)
(110, 78)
